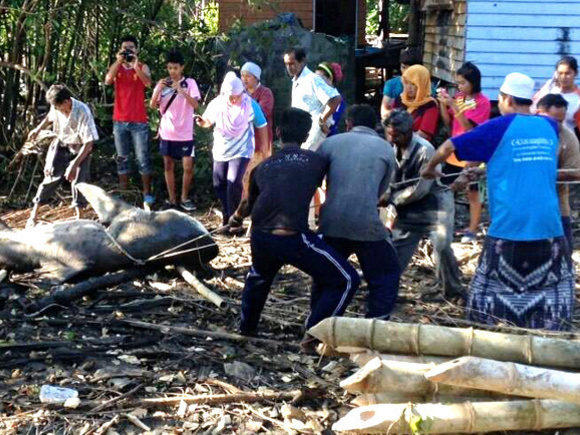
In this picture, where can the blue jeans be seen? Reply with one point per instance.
(137, 134)
(380, 267)
(335, 281)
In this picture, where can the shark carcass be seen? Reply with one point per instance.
(124, 236)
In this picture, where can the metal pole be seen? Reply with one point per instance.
(356, 24)
(314, 15)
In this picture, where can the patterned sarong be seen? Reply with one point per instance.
(527, 284)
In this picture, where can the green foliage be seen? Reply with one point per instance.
(74, 42)
(397, 16)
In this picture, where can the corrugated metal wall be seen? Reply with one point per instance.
(528, 36)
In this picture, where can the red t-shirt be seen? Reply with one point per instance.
(129, 96)
(425, 117)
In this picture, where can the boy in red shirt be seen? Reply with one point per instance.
(130, 124)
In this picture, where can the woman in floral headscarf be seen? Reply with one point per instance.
(234, 115)
(417, 99)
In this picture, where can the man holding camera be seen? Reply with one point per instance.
(130, 124)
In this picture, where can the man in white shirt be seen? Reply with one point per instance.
(312, 94)
(68, 156)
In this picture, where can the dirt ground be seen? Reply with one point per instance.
(117, 365)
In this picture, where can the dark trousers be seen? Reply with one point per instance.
(335, 281)
(380, 267)
(58, 158)
(227, 182)
(567, 225)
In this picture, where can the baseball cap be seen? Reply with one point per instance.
(518, 85)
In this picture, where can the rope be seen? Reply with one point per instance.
(413, 180)
(168, 252)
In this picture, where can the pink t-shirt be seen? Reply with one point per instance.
(177, 121)
(478, 115)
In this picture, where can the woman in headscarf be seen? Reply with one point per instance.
(332, 75)
(416, 98)
(251, 77)
(234, 115)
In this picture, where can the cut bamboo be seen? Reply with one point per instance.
(379, 376)
(508, 378)
(367, 399)
(361, 358)
(418, 339)
(199, 287)
(460, 418)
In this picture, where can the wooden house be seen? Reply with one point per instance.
(501, 36)
(333, 17)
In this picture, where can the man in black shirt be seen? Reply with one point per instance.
(281, 188)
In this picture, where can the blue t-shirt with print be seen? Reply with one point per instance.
(521, 152)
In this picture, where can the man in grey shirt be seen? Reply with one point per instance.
(361, 167)
(425, 208)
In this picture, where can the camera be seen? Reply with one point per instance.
(129, 55)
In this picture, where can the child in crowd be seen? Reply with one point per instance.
(177, 98)
(467, 110)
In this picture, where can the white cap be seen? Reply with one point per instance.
(518, 85)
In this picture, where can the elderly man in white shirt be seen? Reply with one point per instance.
(69, 155)
(312, 94)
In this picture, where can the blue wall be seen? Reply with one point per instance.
(528, 36)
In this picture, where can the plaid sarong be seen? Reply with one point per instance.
(527, 284)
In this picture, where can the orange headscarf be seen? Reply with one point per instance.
(419, 76)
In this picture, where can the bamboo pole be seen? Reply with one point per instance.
(367, 399)
(419, 339)
(508, 378)
(361, 358)
(199, 287)
(460, 418)
(379, 376)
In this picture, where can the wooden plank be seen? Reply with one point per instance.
(541, 72)
(513, 59)
(529, 33)
(505, 20)
(455, 19)
(442, 74)
(517, 8)
(532, 47)
(433, 42)
(451, 30)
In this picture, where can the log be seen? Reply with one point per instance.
(205, 334)
(67, 296)
(419, 339)
(200, 288)
(214, 399)
(460, 418)
(360, 359)
(508, 378)
(379, 376)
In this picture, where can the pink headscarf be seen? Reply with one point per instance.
(233, 120)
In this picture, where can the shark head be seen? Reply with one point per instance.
(106, 206)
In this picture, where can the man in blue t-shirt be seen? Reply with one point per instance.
(524, 275)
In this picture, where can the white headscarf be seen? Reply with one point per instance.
(253, 69)
(232, 85)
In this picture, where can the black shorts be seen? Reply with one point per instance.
(177, 149)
